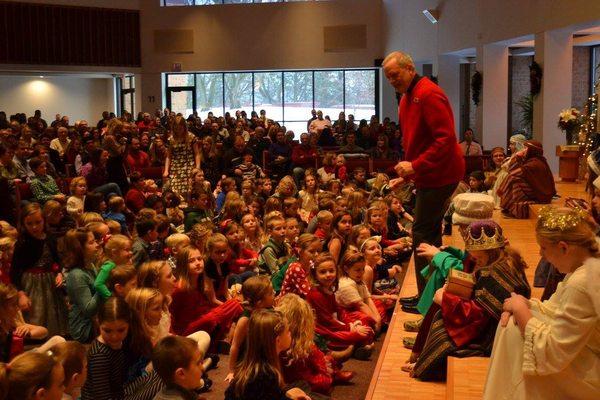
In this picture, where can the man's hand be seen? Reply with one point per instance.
(427, 250)
(404, 168)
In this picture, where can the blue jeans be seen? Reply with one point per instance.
(239, 278)
(109, 188)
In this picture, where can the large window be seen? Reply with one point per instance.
(595, 59)
(125, 87)
(287, 96)
(168, 3)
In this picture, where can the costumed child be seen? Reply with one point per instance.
(549, 349)
(466, 326)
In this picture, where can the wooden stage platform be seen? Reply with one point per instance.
(390, 383)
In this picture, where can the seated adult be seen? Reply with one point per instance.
(304, 156)
(468, 146)
(382, 150)
(351, 147)
(136, 158)
(317, 125)
(61, 142)
(529, 181)
(280, 153)
(43, 186)
(96, 174)
(516, 143)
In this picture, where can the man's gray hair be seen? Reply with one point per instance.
(402, 59)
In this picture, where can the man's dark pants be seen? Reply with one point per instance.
(431, 204)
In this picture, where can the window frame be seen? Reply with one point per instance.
(283, 121)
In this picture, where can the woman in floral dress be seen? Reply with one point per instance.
(182, 157)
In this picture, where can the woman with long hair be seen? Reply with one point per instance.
(182, 156)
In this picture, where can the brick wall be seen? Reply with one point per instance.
(581, 76)
(520, 82)
(519, 89)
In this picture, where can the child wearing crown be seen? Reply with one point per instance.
(551, 349)
(465, 326)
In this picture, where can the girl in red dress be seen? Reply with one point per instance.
(304, 361)
(195, 306)
(321, 297)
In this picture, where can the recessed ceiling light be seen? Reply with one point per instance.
(432, 15)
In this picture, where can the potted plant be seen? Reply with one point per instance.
(569, 121)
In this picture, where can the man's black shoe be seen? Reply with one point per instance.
(409, 301)
(410, 309)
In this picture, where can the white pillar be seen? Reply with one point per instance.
(494, 101)
(554, 53)
(449, 81)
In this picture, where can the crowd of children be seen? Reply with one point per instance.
(123, 278)
(140, 290)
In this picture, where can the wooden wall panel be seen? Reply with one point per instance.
(64, 35)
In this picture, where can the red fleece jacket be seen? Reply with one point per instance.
(428, 136)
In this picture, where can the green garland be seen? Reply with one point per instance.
(535, 78)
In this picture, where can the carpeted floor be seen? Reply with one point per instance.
(356, 390)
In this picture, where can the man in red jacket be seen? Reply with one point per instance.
(433, 158)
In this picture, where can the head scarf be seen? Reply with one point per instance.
(518, 140)
(537, 173)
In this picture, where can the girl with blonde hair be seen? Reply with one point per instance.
(148, 305)
(117, 252)
(304, 360)
(286, 188)
(32, 376)
(550, 349)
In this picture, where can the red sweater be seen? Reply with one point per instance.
(428, 136)
(135, 199)
(304, 156)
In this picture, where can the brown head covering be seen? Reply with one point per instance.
(537, 173)
(497, 150)
(534, 148)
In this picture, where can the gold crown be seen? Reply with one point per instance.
(484, 242)
(555, 219)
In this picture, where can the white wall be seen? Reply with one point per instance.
(77, 97)
(256, 36)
